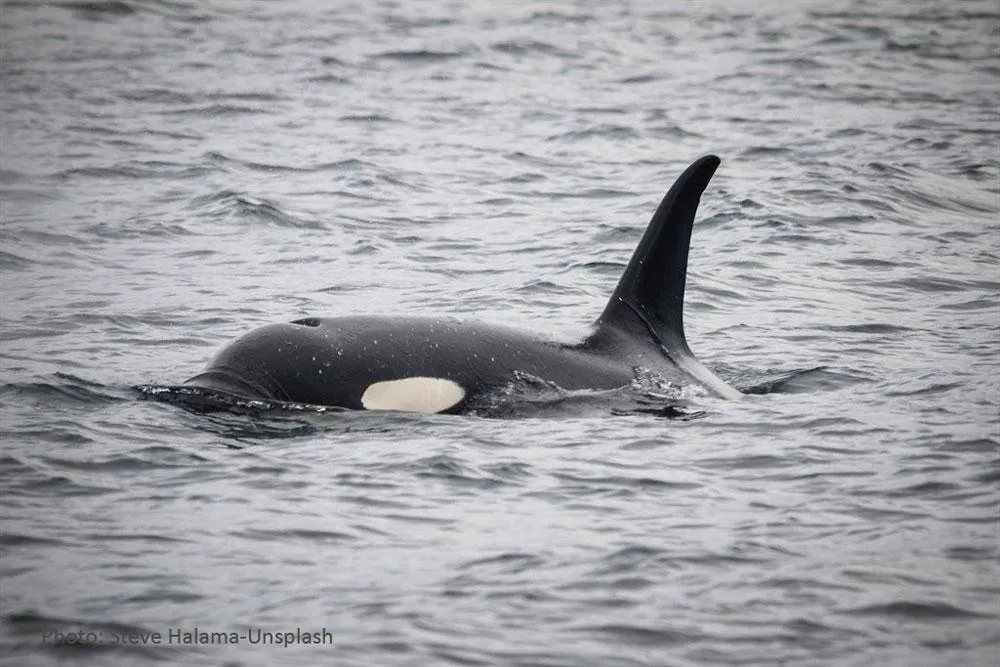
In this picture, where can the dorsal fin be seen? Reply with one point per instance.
(649, 300)
(652, 286)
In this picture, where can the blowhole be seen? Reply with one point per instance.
(307, 322)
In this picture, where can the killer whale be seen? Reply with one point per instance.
(426, 364)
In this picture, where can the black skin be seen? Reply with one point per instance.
(332, 361)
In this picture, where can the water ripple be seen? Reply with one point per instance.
(176, 173)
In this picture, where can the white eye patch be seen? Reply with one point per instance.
(413, 394)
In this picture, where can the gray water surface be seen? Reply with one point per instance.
(178, 173)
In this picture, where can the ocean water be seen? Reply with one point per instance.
(177, 173)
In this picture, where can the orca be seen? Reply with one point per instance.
(433, 365)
